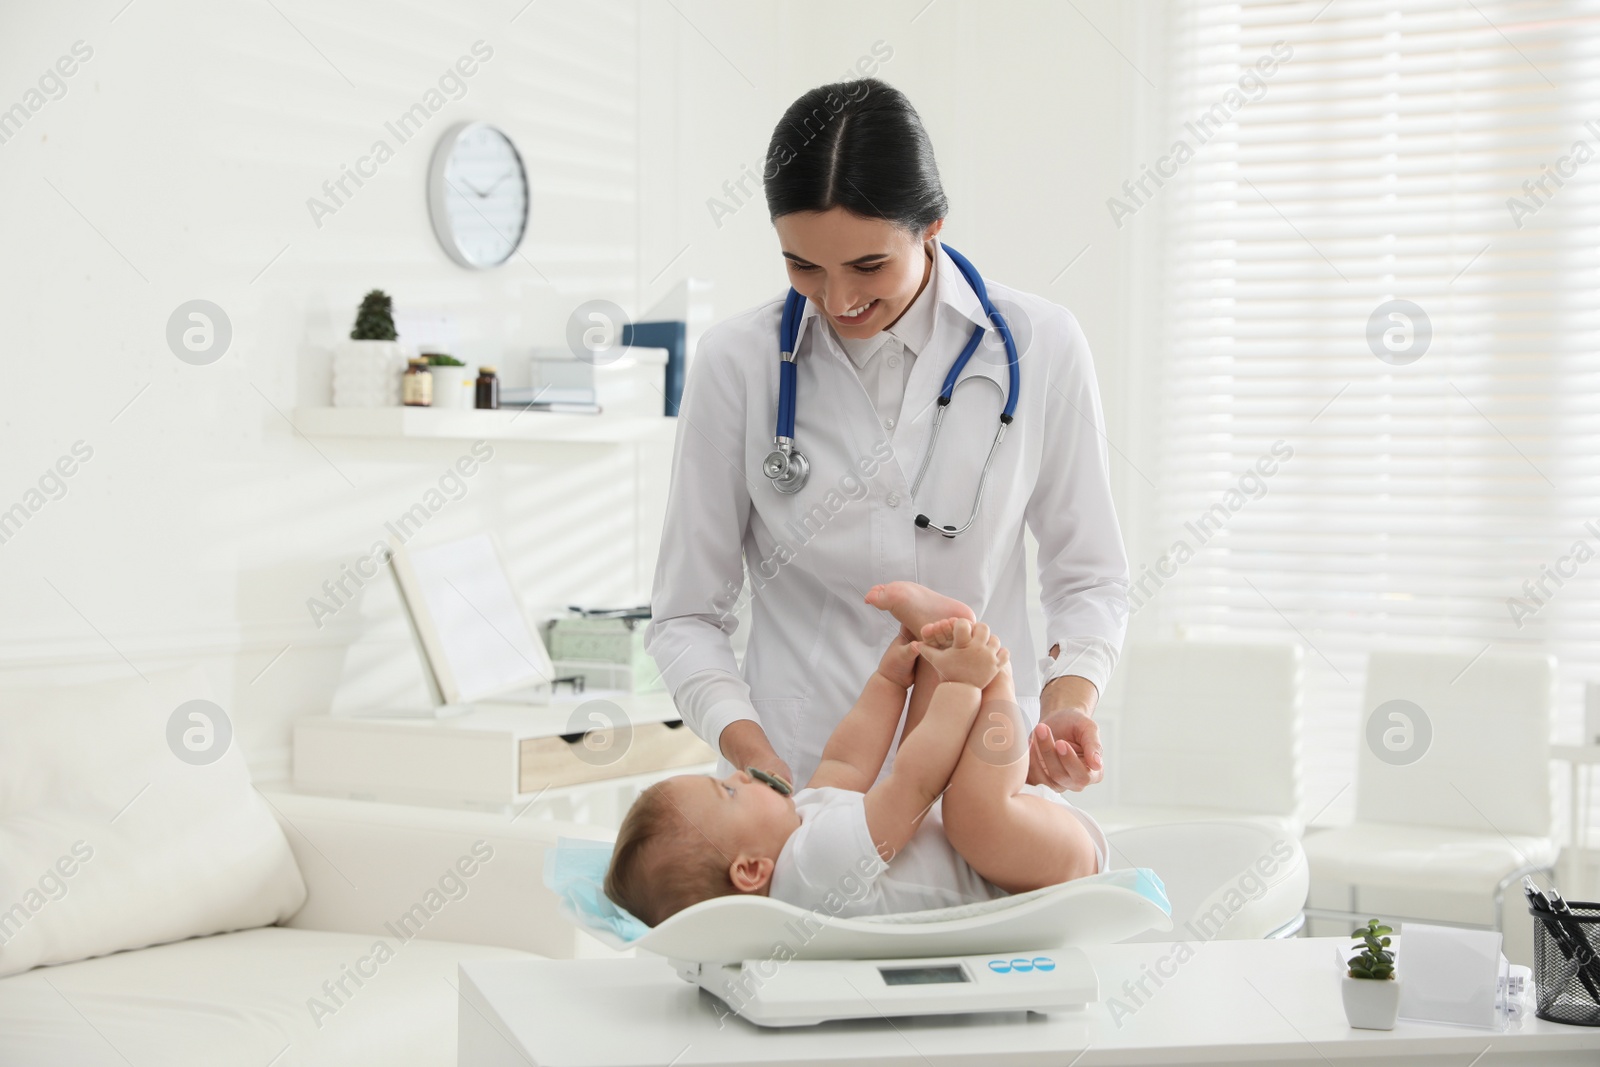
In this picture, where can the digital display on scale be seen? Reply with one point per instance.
(943, 975)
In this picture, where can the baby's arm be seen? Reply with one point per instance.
(929, 754)
(860, 743)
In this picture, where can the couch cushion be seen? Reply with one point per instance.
(244, 998)
(109, 840)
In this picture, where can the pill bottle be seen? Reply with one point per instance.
(416, 385)
(488, 388)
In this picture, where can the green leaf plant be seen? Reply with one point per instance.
(1374, 960)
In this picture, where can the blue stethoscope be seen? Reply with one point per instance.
(788, 467)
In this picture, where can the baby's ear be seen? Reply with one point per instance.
(750, 874)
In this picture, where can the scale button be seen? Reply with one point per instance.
(999, 966)
(1043, 963)
(1021, 965)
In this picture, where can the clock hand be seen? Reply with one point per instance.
(496, 184)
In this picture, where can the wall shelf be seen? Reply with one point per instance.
(471, 424)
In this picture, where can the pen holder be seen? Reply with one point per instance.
(1562, 945)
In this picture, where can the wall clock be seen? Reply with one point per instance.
(477, 195)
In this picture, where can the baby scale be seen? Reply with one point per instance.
(777, 965)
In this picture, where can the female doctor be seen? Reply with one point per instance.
(821, 510)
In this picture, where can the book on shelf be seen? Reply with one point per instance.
(548, 400)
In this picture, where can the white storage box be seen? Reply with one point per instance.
(601, 674)
(630, 381)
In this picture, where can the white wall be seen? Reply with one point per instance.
(178, 164)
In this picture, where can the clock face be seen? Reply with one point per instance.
(478, 195)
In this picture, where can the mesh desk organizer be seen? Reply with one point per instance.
(1566, 964)
(775, 964)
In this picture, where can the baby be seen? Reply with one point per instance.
(693, 837)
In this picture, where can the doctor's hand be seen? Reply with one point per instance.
(1064, 750)
(744, 744)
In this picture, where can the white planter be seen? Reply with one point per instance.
(450, 386)
(1371, 1003)
(366, 374)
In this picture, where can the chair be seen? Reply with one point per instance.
(1465, 816)
(1208, 730)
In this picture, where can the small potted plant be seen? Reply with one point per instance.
(374, 318)
(367, 367)
(1371, 990)
(449, 380)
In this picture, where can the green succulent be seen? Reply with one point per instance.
(1374, 960)
(375, 319)
(439, 359)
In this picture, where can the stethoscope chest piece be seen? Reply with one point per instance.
(788, 469)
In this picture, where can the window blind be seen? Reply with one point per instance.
(1381, 378)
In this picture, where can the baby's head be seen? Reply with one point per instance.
(693, 837)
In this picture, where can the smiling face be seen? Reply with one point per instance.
(846, 263)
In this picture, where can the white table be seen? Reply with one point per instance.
(1260, 1002)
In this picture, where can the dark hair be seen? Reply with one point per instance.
(859, 145)
(660, 864)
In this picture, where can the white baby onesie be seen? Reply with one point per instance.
(831, 864)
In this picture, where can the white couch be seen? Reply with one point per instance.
(247, 997)
(199, 920)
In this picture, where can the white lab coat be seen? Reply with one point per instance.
(812, 556)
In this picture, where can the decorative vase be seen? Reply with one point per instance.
(1371, 1003)
(366, 374)
(450, 386)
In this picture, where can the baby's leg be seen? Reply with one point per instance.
(1016, 840)
(921, 694)
(915, 606)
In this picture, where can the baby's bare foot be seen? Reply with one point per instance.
(916, 605)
